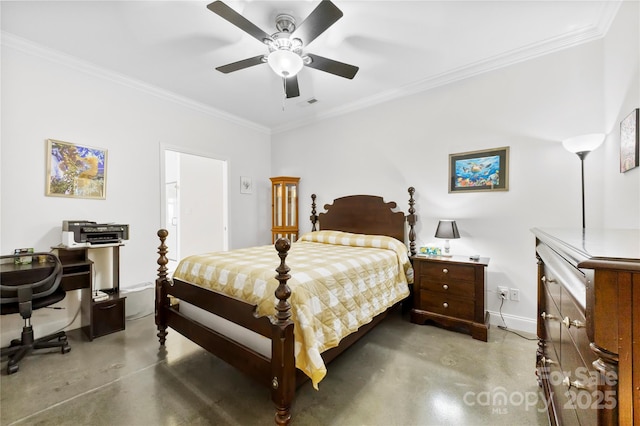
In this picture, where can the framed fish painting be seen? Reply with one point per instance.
(486, 170)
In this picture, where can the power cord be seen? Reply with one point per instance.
(504, 327)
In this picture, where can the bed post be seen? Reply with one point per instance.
(162, 300)
(412, 218)
(283, 384)
(314, 216)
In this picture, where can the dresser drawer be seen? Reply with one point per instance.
(552, 325)
(582, 392)
(457, 288)
(567, 416)
(444, 304)
(553, 286)
(574, 324)
(447, 272)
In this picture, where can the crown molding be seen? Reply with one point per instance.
(579, 36)
(505, 59)
(26, 46)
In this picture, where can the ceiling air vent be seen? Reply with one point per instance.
(308, 102)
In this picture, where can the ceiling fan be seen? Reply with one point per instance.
(286, 56)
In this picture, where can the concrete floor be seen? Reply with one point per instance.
(399, 374)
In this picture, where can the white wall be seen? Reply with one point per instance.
(45, 96)
(529, 107)
(201, 208)
(621, 199)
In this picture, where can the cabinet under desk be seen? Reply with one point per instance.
(81, 265)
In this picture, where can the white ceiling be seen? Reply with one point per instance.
(401, 47)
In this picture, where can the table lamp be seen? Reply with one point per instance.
(447, 229)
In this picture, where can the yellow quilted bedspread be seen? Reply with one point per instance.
(339, 282)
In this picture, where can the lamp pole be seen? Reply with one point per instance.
(581, 146)
(582, 155)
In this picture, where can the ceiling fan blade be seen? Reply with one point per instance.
(245, 63)
(291, 87)
(238, 20)
(322, 17)
(333, 67)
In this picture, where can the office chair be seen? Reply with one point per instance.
(24, 288)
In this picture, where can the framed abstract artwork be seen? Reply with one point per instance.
(246, 185)
(75, 170)
(486, 170)
(630, 141)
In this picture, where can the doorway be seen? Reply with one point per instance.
(194, 203)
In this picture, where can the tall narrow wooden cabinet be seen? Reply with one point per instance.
(284, 208)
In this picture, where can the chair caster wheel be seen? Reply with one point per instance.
(66, 349)
(12, 368)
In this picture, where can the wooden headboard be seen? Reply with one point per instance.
(366, 214)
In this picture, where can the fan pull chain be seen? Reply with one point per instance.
(284, 92)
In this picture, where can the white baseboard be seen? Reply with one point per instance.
(514, 322)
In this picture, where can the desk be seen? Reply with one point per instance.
(13, 274)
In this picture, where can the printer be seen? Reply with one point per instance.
(84, 233)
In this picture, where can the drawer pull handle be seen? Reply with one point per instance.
(107, 307)
(446, 287)
(548, 280)
(445, 271)
(546, 361)
(575, 384)
(445, 304)
(568, 322)
(547, 316)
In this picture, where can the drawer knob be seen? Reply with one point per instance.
(446, 287)
(546, 361)
(445, 304)
(568, 323)
(547, 316)
(445, 271)
(575, 384)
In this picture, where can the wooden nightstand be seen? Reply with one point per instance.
(450, 292)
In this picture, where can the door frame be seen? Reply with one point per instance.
(225, 185)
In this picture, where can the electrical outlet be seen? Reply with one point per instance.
(514, 294)
(503, 293)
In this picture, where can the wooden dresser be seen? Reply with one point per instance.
(588, 357)
(450, 292)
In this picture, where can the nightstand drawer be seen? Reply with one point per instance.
(458, 288)
(443, 304)
(447, 271)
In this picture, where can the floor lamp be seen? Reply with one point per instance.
(581, 146)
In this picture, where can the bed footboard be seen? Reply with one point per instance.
(279, 372)
(162, 298)
(283, 385)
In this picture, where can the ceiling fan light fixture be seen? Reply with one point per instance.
(285, 63)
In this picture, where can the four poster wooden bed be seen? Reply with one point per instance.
(254, 331)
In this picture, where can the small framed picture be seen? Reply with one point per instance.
(26, 256)
(246, 185)
(486, 170)
(630, 141)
